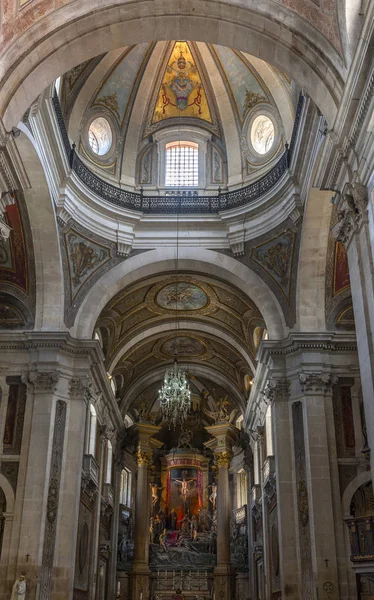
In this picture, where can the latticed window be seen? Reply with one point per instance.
(182, 164)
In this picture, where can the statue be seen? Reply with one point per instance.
(173, 520)
(154, 490)
(184, 483)
(19, 588)
(213, 495)
(162, 539)
(184, 440)
(193, 527)
(222, 414)
(151, 530)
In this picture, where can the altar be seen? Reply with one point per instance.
(183, 520)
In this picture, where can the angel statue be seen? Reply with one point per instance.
(19, 588)
(222, 414)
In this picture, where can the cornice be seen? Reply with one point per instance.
(298, 342)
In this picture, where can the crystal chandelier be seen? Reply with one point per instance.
(175, 396)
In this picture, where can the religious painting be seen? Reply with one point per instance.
(85, 257)
(182, 295)
(181, 92)
(341, 272)
(13, 256)
(184, 492)
(183, 346)
(275, 256)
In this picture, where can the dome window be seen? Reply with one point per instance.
(182, 164)
(262, 134)
(100, 136)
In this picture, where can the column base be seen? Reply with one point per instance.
(224, 581)
(139, 581)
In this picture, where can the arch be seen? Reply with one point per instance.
(162, 260)
(49, 280)
(8, 493)
(183, 325)
(196, 369)
(351, 488)
(68, 36)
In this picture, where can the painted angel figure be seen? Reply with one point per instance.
(184, 483)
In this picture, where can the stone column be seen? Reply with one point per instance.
(277, 393)
(352, 230)
(316, 388)
(224, 435)
(140, 570)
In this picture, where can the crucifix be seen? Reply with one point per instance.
(27, 557)
(326, 562)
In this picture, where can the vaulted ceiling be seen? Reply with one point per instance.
(210, 326)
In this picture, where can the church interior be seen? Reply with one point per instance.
(186, 300)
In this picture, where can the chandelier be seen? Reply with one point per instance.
(175, 395)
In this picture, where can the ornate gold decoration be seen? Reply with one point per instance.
(110, 102)
(251, 99)
(143, 456)
(224, 459)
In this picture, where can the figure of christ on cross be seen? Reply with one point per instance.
(185, 489)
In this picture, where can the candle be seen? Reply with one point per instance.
(141, 595)
(118, 587)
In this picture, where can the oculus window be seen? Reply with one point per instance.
(182, 164)
(262, 134)
(100, 136)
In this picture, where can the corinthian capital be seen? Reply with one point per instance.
(42, 382)
(316, 382)
(352, 212)
(78, 387)
(276, 389)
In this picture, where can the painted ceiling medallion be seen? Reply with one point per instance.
(183, 346)
(182, 296)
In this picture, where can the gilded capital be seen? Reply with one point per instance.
(143, 457)
(224, 459)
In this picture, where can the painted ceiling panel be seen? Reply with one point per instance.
(118, 88)
(244, 86)
(182, 92)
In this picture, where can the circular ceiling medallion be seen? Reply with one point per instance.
(181, 295)
(262, 134)
(183, 346)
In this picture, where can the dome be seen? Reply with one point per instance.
(137, 112)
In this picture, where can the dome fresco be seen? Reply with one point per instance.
(151, 94)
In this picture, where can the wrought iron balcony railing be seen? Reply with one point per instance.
(177, 204)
